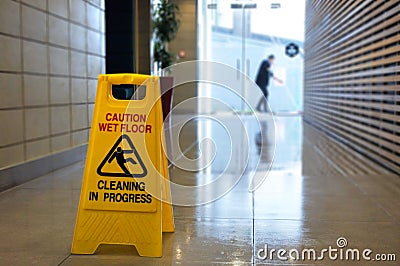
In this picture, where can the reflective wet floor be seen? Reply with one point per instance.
(321, 204)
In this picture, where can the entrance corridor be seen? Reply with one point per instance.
(317, 191)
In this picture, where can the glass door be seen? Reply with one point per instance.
(241, 34)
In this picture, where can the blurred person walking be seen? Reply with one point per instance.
(262, 80)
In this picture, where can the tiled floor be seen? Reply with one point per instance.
(316, 192)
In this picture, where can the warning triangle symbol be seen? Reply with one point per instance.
(123, 159)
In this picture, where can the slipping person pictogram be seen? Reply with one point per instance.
(119, 156)
(125, 165)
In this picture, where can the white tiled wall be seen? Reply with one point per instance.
(14, 96)
(51, 54)
(10, 54)
(9, 17)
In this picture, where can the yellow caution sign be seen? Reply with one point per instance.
(125, 196)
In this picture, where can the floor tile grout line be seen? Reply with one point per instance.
(186, 151)
(254, 235)
(64, 260)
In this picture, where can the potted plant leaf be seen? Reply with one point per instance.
(165, 27)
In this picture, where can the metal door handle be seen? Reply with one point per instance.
(238, 68)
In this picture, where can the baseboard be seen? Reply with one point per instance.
(24, 172)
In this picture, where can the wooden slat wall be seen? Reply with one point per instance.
(352, 74)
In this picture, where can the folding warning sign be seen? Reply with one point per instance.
(125, 196)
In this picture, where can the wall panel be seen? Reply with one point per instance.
(352, 74)
(51, 54)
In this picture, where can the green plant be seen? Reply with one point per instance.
(165, 27)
